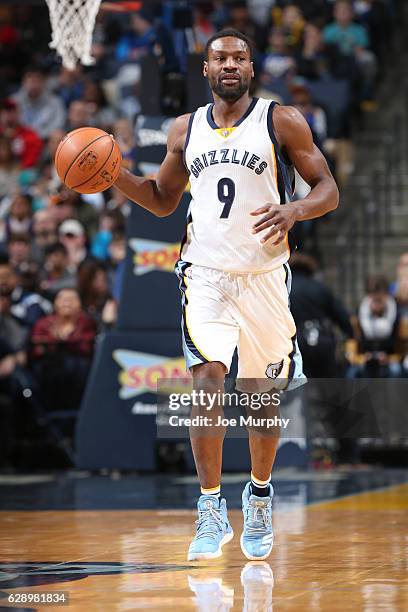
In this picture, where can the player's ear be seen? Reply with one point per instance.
(252, 67)
(205, 69)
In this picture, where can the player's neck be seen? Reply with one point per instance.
(226, 114)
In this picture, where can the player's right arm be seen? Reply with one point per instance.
(161, 196)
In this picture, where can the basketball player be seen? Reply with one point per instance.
(239, 155)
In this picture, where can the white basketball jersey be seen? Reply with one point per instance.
(234, 171)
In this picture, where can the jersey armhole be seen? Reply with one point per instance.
(190, 125)
(283, 158)
(285, 173)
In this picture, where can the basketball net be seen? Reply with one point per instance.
(72, 24)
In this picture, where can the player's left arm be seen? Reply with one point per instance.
(296, 141)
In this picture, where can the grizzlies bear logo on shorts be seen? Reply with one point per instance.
(274, 369)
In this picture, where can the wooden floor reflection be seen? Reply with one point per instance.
(347, 554)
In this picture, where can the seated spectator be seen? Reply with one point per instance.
(147, 38)
(203, 26)
(118, 201)
(100, 243)
(19, 250)
(71, 205)
(278, 63)
(48, 181)
(111, 222)
(40, 109)
(400, 291)
(47, 166)
(311, 59)
(260, 10)
(107, 31)
(9, 168)
(96, 296)
(128, 82)
(69, 85)
(350, 37)
(26, 144)
(28, 275)
(61, 205)
(377, 334)
(20, 217)
(318, 11)
(68, 324)
(62, 346)
(12, 330)
(125, 137)
(402, 274)
(44, 232)
(117, 248)
(352, 40)
(306, 231)
(100, 113)
(292, 24)
(239, 18)
(56, 272)
(315, 59)
(78, 115)
(26, 306)
(314, 115)
(72, 236)
(401, 297)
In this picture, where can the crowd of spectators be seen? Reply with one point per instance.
(61, 253)
(374, 338)
(379, 346)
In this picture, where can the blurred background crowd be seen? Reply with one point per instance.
(62, 254)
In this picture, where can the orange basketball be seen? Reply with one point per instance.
(88, 160)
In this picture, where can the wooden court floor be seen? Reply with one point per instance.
(345, 554)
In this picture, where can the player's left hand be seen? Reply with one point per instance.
(279, 218)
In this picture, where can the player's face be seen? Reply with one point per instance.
(229, 68)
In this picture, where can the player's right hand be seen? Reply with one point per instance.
(279, 218)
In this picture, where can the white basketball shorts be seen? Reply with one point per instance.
(223, 311)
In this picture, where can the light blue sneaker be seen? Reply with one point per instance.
(213, 529)
(257, 537)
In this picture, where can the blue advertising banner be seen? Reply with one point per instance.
(116, 427)
(150, 295)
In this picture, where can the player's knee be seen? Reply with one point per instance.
(209, 377)
(213, 371)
